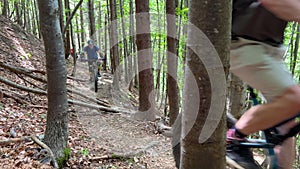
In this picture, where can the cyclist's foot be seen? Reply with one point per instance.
(241, 155)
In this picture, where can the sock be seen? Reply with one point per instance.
(239, 134)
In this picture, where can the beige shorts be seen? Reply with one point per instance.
(261, 66)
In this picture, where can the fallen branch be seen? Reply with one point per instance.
(76, 91)
(92, 106)
(125, 155)
(27, 89)
(18, 100)
(77, 79)
(79, 103)
(14, 140)
(37, 106)
(55, 165)
(27, 72)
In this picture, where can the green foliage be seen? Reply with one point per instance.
(62, 161)
(85, 152)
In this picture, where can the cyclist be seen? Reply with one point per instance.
(257, 58)
(92, 51)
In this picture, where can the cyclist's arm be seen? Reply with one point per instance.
(286, 9)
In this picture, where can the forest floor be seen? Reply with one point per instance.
(97, 139)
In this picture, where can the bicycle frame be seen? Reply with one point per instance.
(271, 140)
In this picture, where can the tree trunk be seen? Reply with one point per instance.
(37, 20)
(61, 14)
(295, 51)
(159, 60)
(143, 42)
(114, 49)
(92, 19)
(105, 42)
(172, 61)
(125, 48)
(78, 35)
(203, 120)
(67, 42)
(18, 16)
(56, 134)
(5, 8)
(131, 70)
(82, 27)
(237, 96)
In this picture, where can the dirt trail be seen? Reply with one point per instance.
(119, 133)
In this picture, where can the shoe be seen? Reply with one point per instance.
(241, 155)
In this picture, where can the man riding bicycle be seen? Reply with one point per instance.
(92, 51)
(257, 58)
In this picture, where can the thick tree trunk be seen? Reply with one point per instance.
(56, 134)
(143, 42)
(203, 120)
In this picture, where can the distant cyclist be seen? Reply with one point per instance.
(92, 51)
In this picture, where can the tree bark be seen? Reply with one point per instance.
(114, 49)
(92, 25)
(125, 48)
(172, 61)
(237, 96)
(82, 27)
(5, 8)
(203, 120)
(56, 134)
(143, 42)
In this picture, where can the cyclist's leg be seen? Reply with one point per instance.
(286, 153)
(261, 66)
(91, 71)
(99, 68)
(256, 65)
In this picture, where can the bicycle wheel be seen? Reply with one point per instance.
(96, 81)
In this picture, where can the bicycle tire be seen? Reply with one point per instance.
(96, 81)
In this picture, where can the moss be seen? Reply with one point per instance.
(62, 161)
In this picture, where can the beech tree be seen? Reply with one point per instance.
(56, 134)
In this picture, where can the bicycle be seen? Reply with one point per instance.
(95, 68)
(271, 139)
